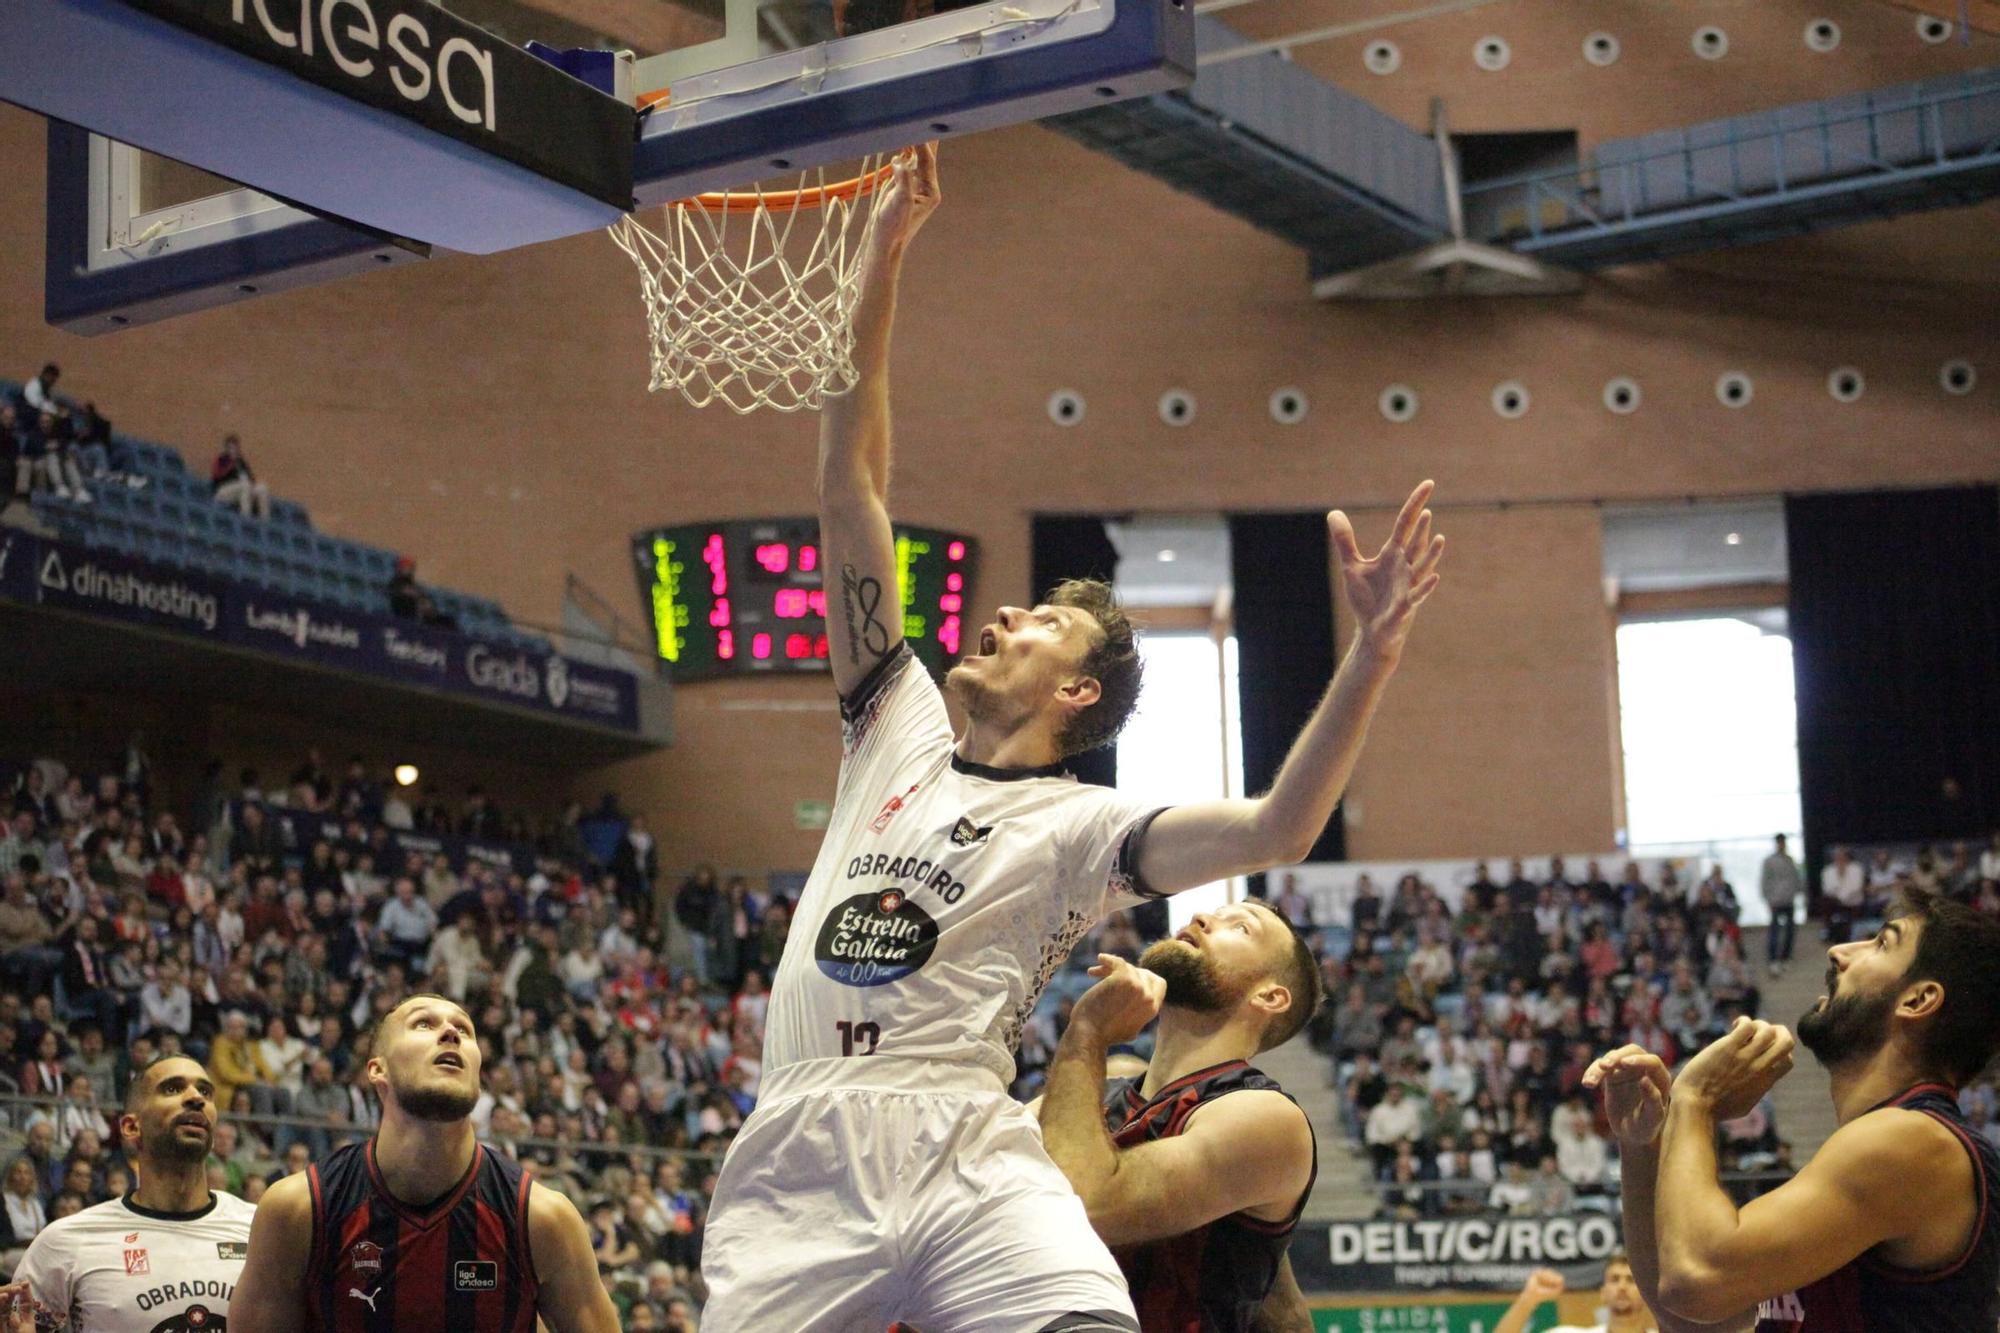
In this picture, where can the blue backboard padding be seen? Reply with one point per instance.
(204, 104)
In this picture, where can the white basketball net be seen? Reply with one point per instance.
(750, 297)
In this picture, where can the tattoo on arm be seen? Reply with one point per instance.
(864, 595)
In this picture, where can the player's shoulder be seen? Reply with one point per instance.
(548, 1205)
(1894, 1147)
(100, 1218)
(1262, 1117)
(288, 1200)
(1901, 1132)
(229, 1207)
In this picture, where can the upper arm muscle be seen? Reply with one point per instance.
(270, 1295)
(1200, 843)
(572, 1299)
(864, 600)
(1876, 1179)
(1247, 1150)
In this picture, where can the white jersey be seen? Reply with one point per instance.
(120, 1268)
(945, 895)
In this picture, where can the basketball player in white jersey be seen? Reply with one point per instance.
(885, 1174)
(163, 1259)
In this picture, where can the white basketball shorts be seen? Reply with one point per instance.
(924, 1198)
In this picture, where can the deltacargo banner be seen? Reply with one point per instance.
(110, 587)
(1468, 1254)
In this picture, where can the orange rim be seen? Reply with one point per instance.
(788, 201)
(776, 201)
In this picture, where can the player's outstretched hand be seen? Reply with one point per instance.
(1123, 1001)
(1733, 1072)
(1544, 1284)
(1384, 590)
(910, 196)
(1636, 1085)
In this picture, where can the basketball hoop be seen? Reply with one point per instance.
(748, 304)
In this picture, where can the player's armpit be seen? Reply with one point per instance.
(270, 1295)
(572, 1299)
(1284, 1309)
(1248, 1150)
(1877, 1179)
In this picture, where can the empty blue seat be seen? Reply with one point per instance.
(117, 535)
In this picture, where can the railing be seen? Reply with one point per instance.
(1900, 138)
(623, 634)
(1609, 1190)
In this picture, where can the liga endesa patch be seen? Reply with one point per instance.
(875, 938)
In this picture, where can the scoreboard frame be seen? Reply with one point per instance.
(746, 596)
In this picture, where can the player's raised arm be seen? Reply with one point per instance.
(1199, 843)
(864, 609)
(572, 1297)
(270, 1296)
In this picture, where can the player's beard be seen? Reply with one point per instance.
(439, 1105)
(1193, 982)
(170, 1149)
(1847, 1027)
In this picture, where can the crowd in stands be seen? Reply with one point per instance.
(621, 1014)
(1459, 1038)
(50, 443)
(53, 443)
(620, 1019)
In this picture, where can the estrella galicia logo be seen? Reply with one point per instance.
(966, 833)
(875, 938)
(475, 1275)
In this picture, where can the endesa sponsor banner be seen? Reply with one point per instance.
(1466, 1253)
(52, 574)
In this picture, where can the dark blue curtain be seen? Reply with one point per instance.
(1895, 624)
(1076, 548)
(1280, 565)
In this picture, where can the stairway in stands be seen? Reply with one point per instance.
(1342, 1192)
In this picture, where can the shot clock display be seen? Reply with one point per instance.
(750, 595)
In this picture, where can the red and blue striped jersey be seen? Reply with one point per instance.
(1869, 1296)
(379, 1265)
(1214, 1278)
